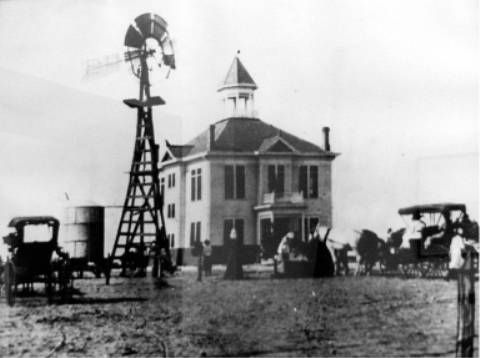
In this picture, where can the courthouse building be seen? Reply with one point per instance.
(245, 173)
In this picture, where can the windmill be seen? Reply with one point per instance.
(141, 230)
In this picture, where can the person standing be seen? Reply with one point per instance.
(234, 265)
(414, 231)
(207, 257)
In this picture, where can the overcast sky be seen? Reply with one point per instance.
(397, 81)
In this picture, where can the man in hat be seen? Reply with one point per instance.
(414, 231)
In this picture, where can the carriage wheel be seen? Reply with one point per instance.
(405, 270)
(440, 269)
(10, 287)
(426, 268)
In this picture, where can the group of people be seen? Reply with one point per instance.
(314, 254)
(234, 268)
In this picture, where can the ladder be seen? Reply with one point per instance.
(141, 229)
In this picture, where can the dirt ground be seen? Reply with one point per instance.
(344, 316)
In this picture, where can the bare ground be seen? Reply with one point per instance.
(344, 316)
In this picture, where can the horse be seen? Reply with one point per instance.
(367, 247)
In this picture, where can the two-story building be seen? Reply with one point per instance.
(245, 173)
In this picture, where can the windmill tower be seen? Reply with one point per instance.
(141, 230)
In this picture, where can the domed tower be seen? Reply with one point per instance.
(237, 91)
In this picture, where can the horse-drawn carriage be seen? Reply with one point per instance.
(427, 254)
(35, 257)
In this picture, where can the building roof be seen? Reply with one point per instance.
(178, 151)
(248, 135)
(237, 75)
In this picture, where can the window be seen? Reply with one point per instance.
(234, 182)
(196, 184)
(308, 181)
(276, 179)
(228, 224)
(195, 230)
(170, 210)
(171, 180)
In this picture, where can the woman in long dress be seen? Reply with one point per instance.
(234, 264)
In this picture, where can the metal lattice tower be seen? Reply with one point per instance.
(141, 230)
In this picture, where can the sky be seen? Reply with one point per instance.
(396, 80)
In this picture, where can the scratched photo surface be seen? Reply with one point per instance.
(225, 178)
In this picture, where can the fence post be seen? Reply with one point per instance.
(466, 308)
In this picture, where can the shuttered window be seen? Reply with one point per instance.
(276, 179)
(235, 182)
(195, 232)
(308, 181)
(196, 184)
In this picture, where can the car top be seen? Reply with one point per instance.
(432, 208)
(32, 220)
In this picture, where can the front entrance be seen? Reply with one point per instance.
(272, 234)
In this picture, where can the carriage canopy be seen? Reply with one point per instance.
(432, 208)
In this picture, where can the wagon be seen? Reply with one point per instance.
(35, 257)
(429, 255)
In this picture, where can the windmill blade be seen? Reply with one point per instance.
(159, 27)
(143, 23)
(160, 21)
(151, 25)
(169, 60)
(133, 38)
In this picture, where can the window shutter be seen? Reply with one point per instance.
(192, 234)
(199, 184)
(227, 227)
(280, 182)
(271, 179)
(313, 192)
(239, 229)
(193, 190)
(302, 180)
(199, 230)
(229, 182)
(240, 176)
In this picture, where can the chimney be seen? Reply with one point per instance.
(211, 137)
(326, 138)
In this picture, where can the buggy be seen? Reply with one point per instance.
(35, 257)
(429, 255)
